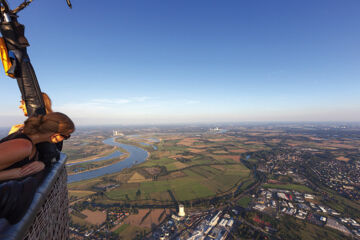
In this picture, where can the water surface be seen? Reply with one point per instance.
(137, 155)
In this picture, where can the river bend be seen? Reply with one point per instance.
(137, 155)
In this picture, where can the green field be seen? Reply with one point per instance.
(197, 182)
(291, 228)
(121, 228)
(247, 182)
(244, 201)
(131, 232)
(341, 204)
(80, 194)
(84, 185)
(158, 162)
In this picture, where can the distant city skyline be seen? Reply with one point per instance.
(156, 62)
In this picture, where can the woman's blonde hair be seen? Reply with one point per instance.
(47, 102)
(54, 122)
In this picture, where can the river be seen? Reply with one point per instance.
(137, 155)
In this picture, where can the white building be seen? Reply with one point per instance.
(215, 219)
(309, 196)
(117, 133)
(230, 223)
(181, 211)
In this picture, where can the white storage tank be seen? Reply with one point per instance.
(181, 211)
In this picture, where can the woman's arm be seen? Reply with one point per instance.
(28, 169)
(32, 168)
(13, 151)
(13, 173)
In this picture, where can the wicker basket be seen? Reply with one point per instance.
(47, 217)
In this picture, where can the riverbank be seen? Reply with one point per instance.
(99, 155)
(136, 155)
(112, 161)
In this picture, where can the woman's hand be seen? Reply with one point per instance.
(32, 168)
(28, 169)
(10, 174)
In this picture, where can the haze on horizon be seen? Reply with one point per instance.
(155, 62)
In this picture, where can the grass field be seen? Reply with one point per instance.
(197, 182)
(84, 185)
(80, 193)
(342, 204)
(244, 201)
(87, 166)
(131, 231)
(118, 230)
(158, 162)
(291, 228)
(247, 182)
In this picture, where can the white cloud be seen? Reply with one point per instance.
(120, 100)
(141, 99)
(104, 107)
(190, 102)
(110, 101)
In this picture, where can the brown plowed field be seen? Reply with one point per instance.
(238, 151)
(345, 159)
(188, 141)
(233, 157)
(95, 218)
(152, 218)
(196, 150)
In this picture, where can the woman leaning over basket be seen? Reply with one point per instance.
(18, 152)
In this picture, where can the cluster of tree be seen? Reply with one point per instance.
(138, 194)
(183, 160)
(244, 231)
(140, 235)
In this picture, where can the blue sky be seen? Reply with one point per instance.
(152, 61)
